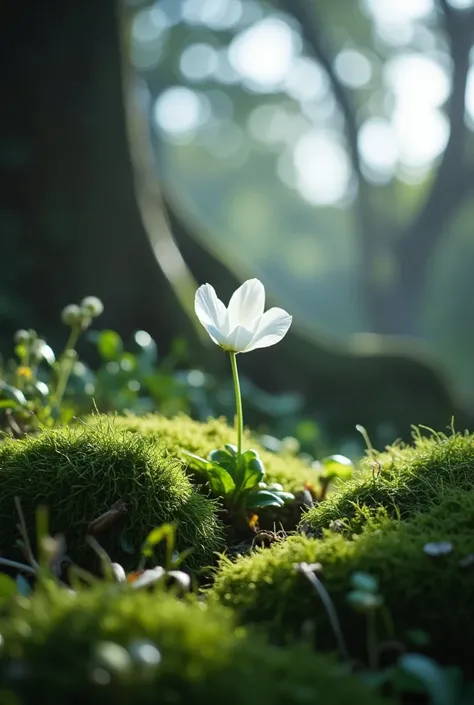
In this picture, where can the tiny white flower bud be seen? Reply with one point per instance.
(92, 306)
(21, 336)
(71, 315)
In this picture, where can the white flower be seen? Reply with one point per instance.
(242, 326)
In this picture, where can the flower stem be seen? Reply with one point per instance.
(65, 364)
(238, 401)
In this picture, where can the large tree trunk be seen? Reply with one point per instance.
(81, 229)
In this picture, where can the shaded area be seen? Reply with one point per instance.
(70, 208)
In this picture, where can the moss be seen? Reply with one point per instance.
(80, 473)
(420, 591)
(54, 640)
(407, 479)
(182, 433)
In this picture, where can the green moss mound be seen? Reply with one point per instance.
(406, 480)
(80, 473)
(432, 593)
(182, 433)
(79, 648)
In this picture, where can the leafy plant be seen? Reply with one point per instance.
(31, 395)
(238, 479)
(233, 474)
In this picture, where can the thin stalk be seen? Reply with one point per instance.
(370, 448)
(24, 535)
(238, 401)
(65, 365)
(330, 611)
(19, 566)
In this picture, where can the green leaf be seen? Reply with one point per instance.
(275, 487)
(262, 498)
(427, 671)
(253, 473)
(285, 496)
(10, 392)
(337, 467)
(222, 457)
(160, 533)
(8, 404)
(231, 448)
(109, 344)
(8, 588)
(220, 481)
(364, 582)
(198, 462)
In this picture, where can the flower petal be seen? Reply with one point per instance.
(273, 326)
(211, 311)
(216, 335)
(246, 304)
(238, 339)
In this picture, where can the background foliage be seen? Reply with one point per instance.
(325, 148)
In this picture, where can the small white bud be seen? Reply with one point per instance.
(21, 336)
(71, 315)
(91, 306)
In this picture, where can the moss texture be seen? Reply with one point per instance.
(64, 646)
(80, 473)
(407, 480)
(182, 433)
(421, 591)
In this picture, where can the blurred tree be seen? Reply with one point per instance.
(90, 223)
(395, 308)
(327, 148)
(67, 201)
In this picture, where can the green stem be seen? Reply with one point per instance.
(65, 365)
(238, 401)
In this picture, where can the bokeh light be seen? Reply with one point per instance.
(322, 165)
(198, 62)
(179, 111)
(263, 54)
(353, 68)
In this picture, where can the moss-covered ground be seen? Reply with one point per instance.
(407, 518)
(80, 473)
(107, 646)
(181, 434)
(404, 480)
(432, 593)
